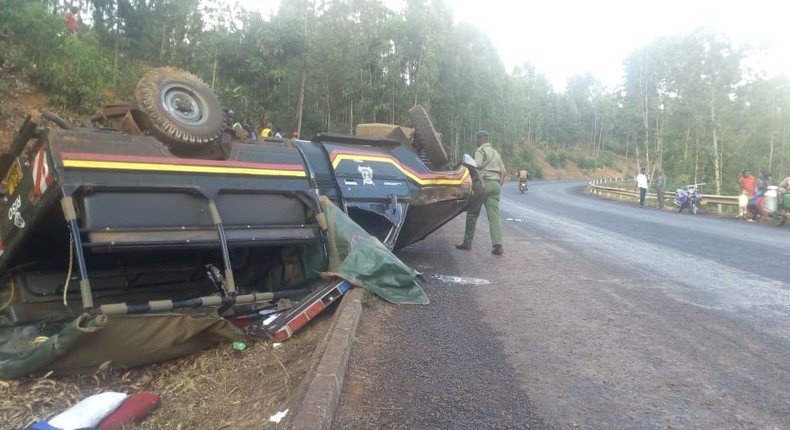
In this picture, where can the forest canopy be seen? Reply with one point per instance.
(687, 103)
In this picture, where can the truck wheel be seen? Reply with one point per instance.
(426, 139)
(182, 109)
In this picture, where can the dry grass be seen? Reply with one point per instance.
(218, 388)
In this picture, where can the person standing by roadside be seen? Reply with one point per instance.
(747, 183)
(661, 187)
(641, 183)
(492, 170)
(71, 20)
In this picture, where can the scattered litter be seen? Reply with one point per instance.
(271, 318)
(276, 345)
(276, 418)
(134, 409)
(462, 280)
(269, 311)
(88, 412)
(239, 346)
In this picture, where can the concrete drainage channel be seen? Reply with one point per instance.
(323, 391)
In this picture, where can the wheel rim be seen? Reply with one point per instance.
(184, 105)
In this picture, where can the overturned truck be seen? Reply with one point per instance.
(164, 210)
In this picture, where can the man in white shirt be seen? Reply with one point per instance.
(641, 182)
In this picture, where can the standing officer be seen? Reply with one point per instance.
(492, 170)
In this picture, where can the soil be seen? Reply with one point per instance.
(15, 102)
(571, 171)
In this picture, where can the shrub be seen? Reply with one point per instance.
(606, 159)
(535, 172)
(78, 81)
(72, 68)
(557, 159)
(587, 163)
(38, 34)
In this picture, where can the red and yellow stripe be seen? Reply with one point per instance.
(455, 178)
(179, 165)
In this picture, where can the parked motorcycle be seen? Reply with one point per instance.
(688, 197)
(522, 185)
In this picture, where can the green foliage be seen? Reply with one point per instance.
(72, 68)
(535, 172)
(557, 159)
(606, 159)
(127, 78)
(362, 62)
(77, 83)
(587, 163)
(35, 31)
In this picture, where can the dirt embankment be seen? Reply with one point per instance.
(623, 167)
(17, 98)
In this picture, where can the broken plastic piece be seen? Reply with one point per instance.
(276, 418)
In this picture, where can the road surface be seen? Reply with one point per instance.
(600, 315)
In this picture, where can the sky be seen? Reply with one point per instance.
(562, 38)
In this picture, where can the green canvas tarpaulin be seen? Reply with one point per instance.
(362, 260)
(123, 340)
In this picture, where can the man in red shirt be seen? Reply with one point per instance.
(747, 182)
(71, 19)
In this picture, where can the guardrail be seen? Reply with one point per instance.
(596, 187)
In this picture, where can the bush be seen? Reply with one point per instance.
(557, 159)
(36, 32)
(72, 68)
(78, 81)
(587, 163)
(129, 75)
(606, 159)
(535, 172)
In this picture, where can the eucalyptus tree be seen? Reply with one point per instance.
(529, 89)
(649, 93)
(708, 80)
(766, 120)
(582, 94)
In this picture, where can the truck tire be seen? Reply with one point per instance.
(181, 109)
(426, 140)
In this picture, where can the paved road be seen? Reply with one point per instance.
(601, 315)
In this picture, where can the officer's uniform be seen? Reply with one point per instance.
(489, 164)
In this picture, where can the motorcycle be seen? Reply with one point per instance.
(522, 185)
(776, 205)
(688, 197)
